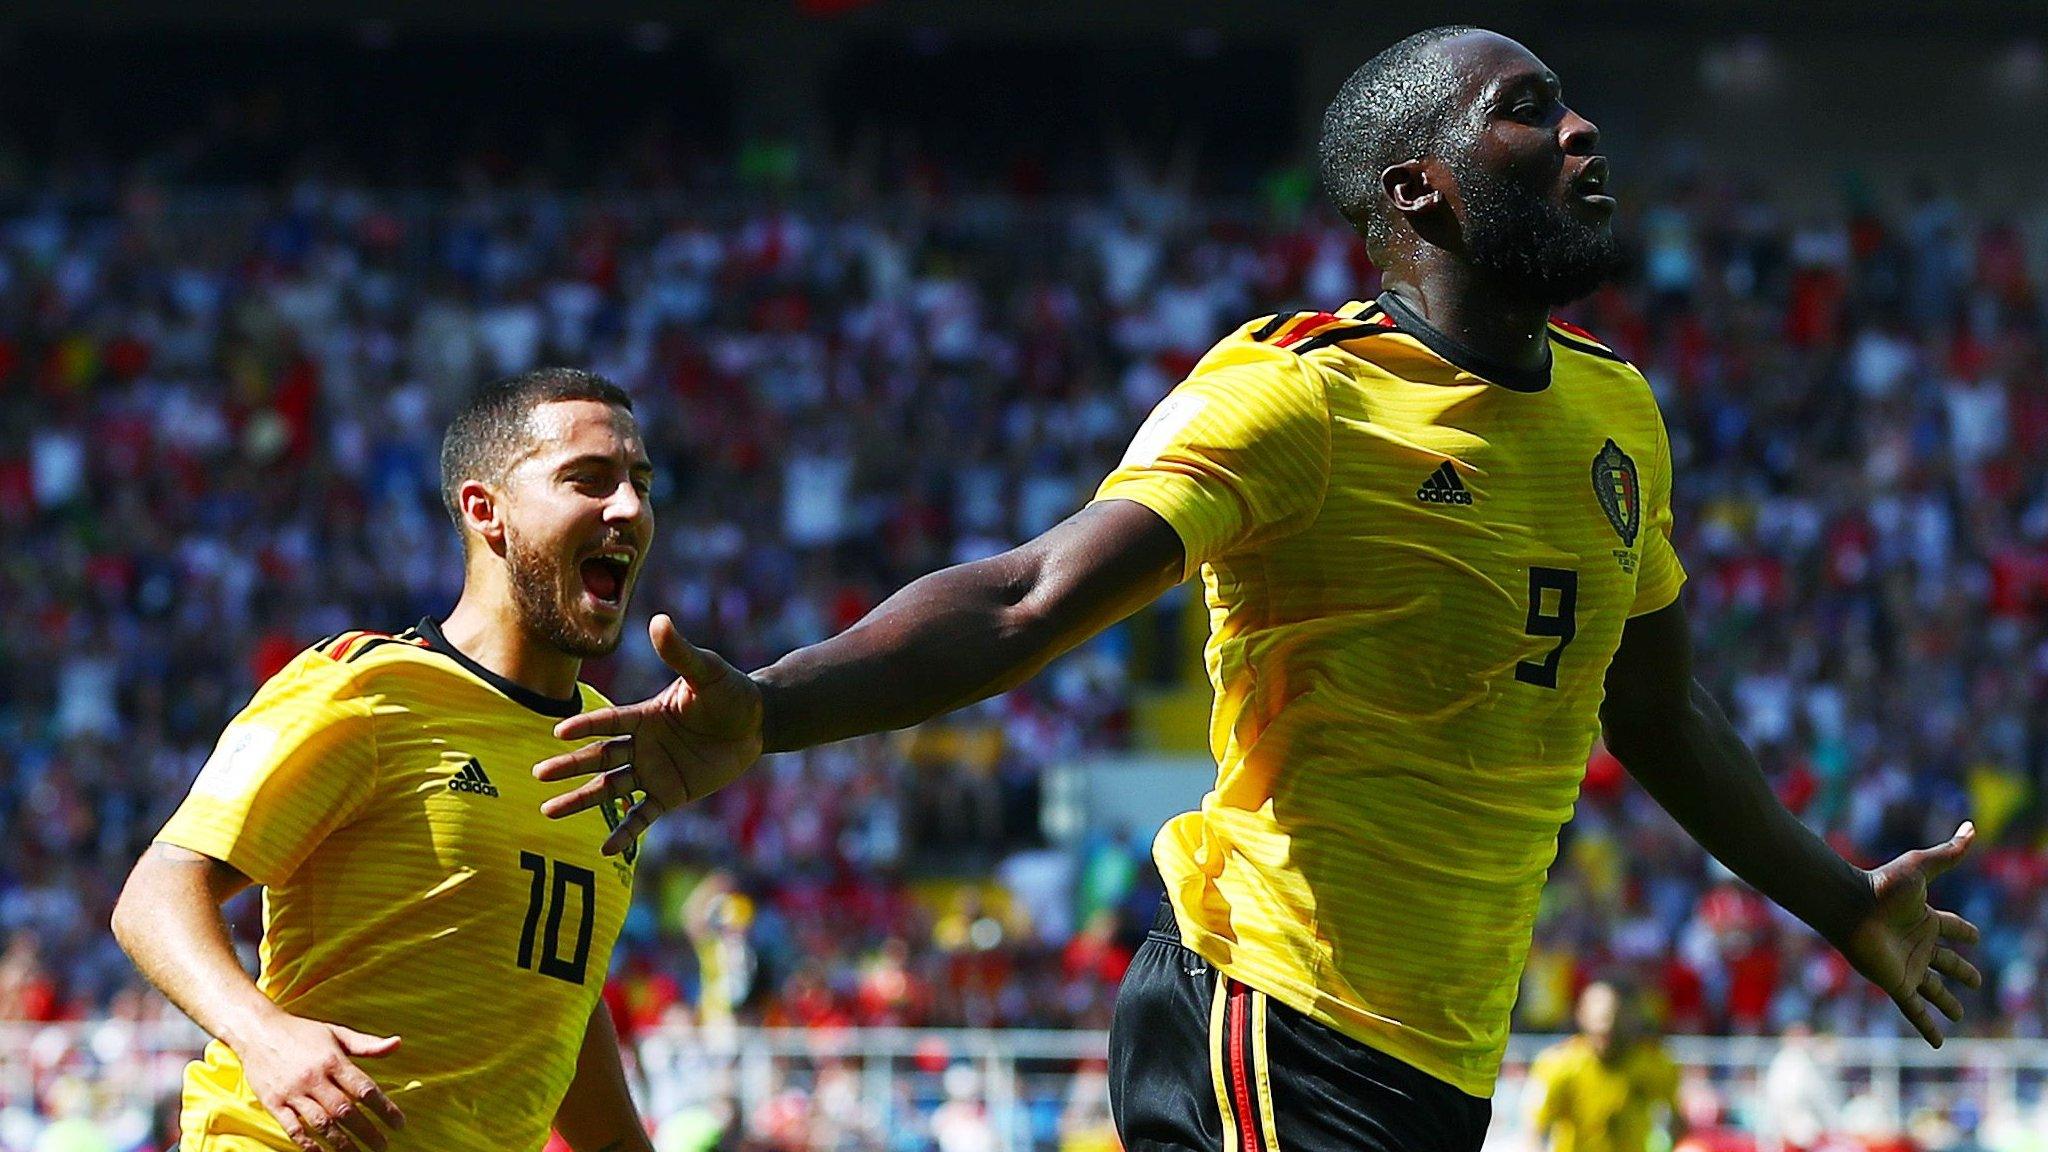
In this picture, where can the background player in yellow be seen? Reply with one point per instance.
(1601, 1090)
(422, 922)
(1434, 534)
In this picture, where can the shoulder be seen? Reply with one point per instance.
(356, 664)
(316, 697)
(1579, 352)
(1292, 346)
(1551, 1062)
(1655, 1062)
(1303, 332)
(1573, 338)
(592, 698)
(1579, 355)
(355, 647)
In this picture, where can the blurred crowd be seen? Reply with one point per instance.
(219, 416)
(1860, 411)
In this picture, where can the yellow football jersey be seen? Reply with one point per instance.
(1417, 569)
(1587, 1104)
(380, 789)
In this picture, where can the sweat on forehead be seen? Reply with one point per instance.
(1490, 63)
(558, 425)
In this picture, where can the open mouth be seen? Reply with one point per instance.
(1591, 183)
(605, 574)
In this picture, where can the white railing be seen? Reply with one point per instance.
(879, 1088)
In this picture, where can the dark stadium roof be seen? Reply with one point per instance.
(1035, 18)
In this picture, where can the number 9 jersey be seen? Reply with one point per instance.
(1417, 567)
(379, 788)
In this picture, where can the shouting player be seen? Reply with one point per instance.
(1435, 535)
(419, 916)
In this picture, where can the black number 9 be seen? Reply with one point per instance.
(1563, 624)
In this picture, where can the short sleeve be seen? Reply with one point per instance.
(1659, 575)
(1237, 455)
(299, 762)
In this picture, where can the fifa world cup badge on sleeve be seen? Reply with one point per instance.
(237, 761)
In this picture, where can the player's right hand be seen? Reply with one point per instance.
(304, 1072)
(681, 744)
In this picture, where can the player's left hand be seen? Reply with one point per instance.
(1906, 947)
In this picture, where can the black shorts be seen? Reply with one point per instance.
(1199, 1062)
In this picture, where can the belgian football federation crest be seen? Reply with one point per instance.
(1619, 490)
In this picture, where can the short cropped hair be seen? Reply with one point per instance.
(485, 438)
(1390, 110)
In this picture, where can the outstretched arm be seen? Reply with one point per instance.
(1672, 737)
(967, 633)
(303, 1071)
(956, 636)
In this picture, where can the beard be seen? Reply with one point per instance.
(544, 610)
(1532, 243)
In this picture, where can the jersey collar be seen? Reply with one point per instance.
(430, 631)
(1408, 320)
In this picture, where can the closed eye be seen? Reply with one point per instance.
(1530, 99)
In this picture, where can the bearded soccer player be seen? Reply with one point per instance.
(1434, 531)
(422, 923)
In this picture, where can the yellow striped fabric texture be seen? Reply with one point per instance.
(412, 887)
(1415, 580)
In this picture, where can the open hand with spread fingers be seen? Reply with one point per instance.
(1906, 947)
(681, 744)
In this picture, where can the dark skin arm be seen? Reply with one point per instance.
(1674, 739)
(597, 1113)
(959, 635)
(966, 633)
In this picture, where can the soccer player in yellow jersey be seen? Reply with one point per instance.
(1600, 1090)
(1434, 531)
(422, 923)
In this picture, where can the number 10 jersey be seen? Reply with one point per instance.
(1417, 568)
(380, 789)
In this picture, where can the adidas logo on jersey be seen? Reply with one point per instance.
(472, 779)
(1444, 487)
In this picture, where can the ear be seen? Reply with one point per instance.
(483, 511)
(1410, 188)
